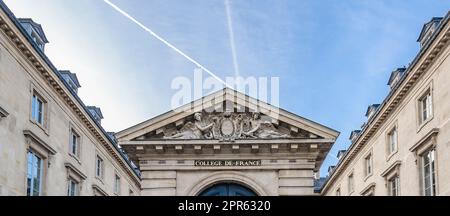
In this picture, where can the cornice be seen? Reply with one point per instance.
(19, 38)
(419, 66)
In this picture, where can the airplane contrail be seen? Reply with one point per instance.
(115, 7)
(232, 41)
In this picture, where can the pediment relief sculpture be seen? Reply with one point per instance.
(227, 127)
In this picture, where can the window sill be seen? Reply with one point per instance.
(368, 176)
(75, 158)
(40, 126)
(422, 125)
(99, 179)
(391, 155)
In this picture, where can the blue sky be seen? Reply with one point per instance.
(333, 57)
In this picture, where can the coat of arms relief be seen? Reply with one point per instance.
(227, 126)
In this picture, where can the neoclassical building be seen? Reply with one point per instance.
(404, 146)
(50, 142)
(226, 143)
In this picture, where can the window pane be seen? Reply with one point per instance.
(40, 108)
(34, 171)
(33, 108)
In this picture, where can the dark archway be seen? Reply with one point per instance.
(227, 189)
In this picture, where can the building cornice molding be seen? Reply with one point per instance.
(41, 64)
(71, 167)
(35, 138)
(391, 168)
(369, 188)
(430, 135)
(421, 64)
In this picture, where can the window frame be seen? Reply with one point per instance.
(433, 173)
(40, 94)
(73, 131)
(428, 92)
(102, 167)
(368, 165)
(30, 186)
(351, 184)
(394, 180)
(38, 116)
(117, 184)
(389, 138)
(69, 187)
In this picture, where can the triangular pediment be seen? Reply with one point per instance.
(227, 115)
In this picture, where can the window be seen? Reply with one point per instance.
(73, 188)
(350, 184)
(429, 173)
(338, 192)
(99, 167)
(425, 107)
(117, 185)
(74, 143)
(34, 174)
(368, 165)
(392, 141)
(37, 109)
(393, 186)
(130, 193)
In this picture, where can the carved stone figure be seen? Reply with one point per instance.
(227, 126)
(197, 130)
(264, 130)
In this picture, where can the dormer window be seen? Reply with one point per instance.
(396, 76)
(341, 154)
(428, 30)
(35, 31)
(96, 113)
(71, 79)
(354, 135)
(372, 109)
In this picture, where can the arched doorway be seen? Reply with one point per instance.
(227, 189)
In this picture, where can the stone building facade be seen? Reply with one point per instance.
(50, 142)
(226, 143)
(404, 147)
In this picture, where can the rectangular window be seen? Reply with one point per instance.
(117, 185)
(37, 109)
(73, 188)
(368, 165)
(393, 185)
(392, 140)
(130, 193)
(338, 192)
(350, 184)
(99, 167)
(74, 143)
(425, 107)
(34, 174)
(429, 173)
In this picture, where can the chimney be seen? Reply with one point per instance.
(35, 31)
(428, 30)
(71, 79)
(396, 75)
(96, 113)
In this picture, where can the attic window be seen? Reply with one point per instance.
(37, 40)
